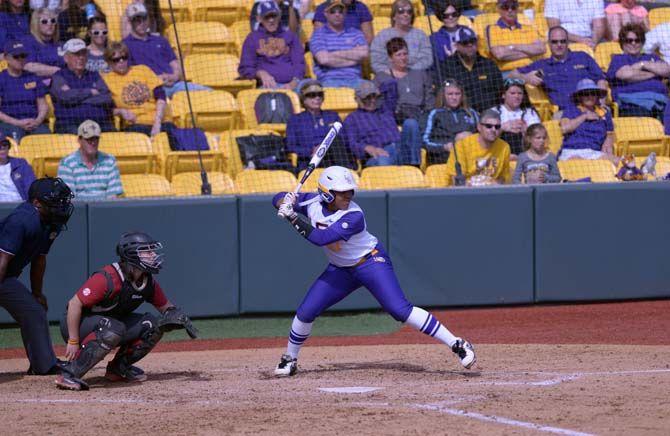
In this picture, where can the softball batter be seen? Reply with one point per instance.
(356, 258)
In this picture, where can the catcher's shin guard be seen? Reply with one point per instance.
(134, 351)
(107, 336)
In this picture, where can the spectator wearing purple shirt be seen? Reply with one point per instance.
(14, 21)
(637, 78)
(272, 55)
(42, 44)
(338, 51)
(23, 107)
(559, 74)
(79, 94)
(444, 40)
(357, 15)
(154, 51)
(372, 133)
(306, 130)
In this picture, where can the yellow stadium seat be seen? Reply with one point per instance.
(145, 185)
(380, 23)
(436, 176)
(600, 171)
(604, 52)
(218, 71)
(659, 16)
(214, 111)
(3, 64)
(202, 37)
(222, 11)
(540, 102)
(306, 30)
(44, 152)
(577, 46)
(113, 8)
(640, 136)
(14, 148)
(190, 183)
(133, 152)
(309, 65)
(173, 162)
(313, 180)
(555, 137)
(512, 168)
(264, 181)
(392, 177)
(239, 30)
(233, 162)
(181, 8)
(247, 99)
(340, 100)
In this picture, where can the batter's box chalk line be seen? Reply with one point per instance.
(351, 390)
(529, 378)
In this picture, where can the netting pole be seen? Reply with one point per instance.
(459, 178)
(205, 188)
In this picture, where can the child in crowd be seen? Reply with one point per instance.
(537, 164)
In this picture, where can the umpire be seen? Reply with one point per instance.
(26, 236)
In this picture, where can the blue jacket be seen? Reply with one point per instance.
(22, 175)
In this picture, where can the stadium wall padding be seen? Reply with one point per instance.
(602, 242)
(277, 266)
(463, 247)
(453, 247)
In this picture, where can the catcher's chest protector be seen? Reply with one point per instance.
(123, 300)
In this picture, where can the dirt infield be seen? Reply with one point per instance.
(587, 369)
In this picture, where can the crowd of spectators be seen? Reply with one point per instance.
(455, 88)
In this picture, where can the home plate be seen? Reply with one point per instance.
(351, 390)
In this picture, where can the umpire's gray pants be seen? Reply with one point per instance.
(32, 319)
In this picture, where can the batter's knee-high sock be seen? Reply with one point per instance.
(299, 333)
(428, 324)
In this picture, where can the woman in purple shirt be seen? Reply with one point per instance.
(636, 78)
(43, 44)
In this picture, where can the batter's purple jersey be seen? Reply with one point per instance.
(374, 273)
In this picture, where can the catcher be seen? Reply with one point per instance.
(100, 316)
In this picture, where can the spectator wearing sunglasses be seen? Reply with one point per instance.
(418, 44)
(23, 108)
(97, 32)
(516, 114)
(583, 19)
(371, 131)
(480, 77)
(559, 74)
(357, 15)
(271, 55)
(444, 40)
(510, 43)
(79, 94)
(484, 146)
(14, 21)
(588, 131)
(637, 78)
(138, 94)
(339, 51)
(43, 46)
(306, 130)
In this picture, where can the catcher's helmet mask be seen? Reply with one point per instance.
(141, 251)
(55, 198)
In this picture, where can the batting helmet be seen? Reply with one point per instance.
(141, 250)
(55, 197)
(335, 179)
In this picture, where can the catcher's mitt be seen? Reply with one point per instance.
(174, 318)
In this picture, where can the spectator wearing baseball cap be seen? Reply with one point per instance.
(583, 19)
(43, 46)
(587, 127)
(357, 15)
(154, 51)
(444, 40)
(156, 21)
(14, 22)
(338, 51)
(79, 94)
(402, 26)
(511, 44)
(271, 55)
(23, 107)
(480, 77)
(371, 131)
(90, 173)
(16, 174)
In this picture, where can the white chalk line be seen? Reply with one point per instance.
(501, 420)
(566, 377)
(113, 401)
